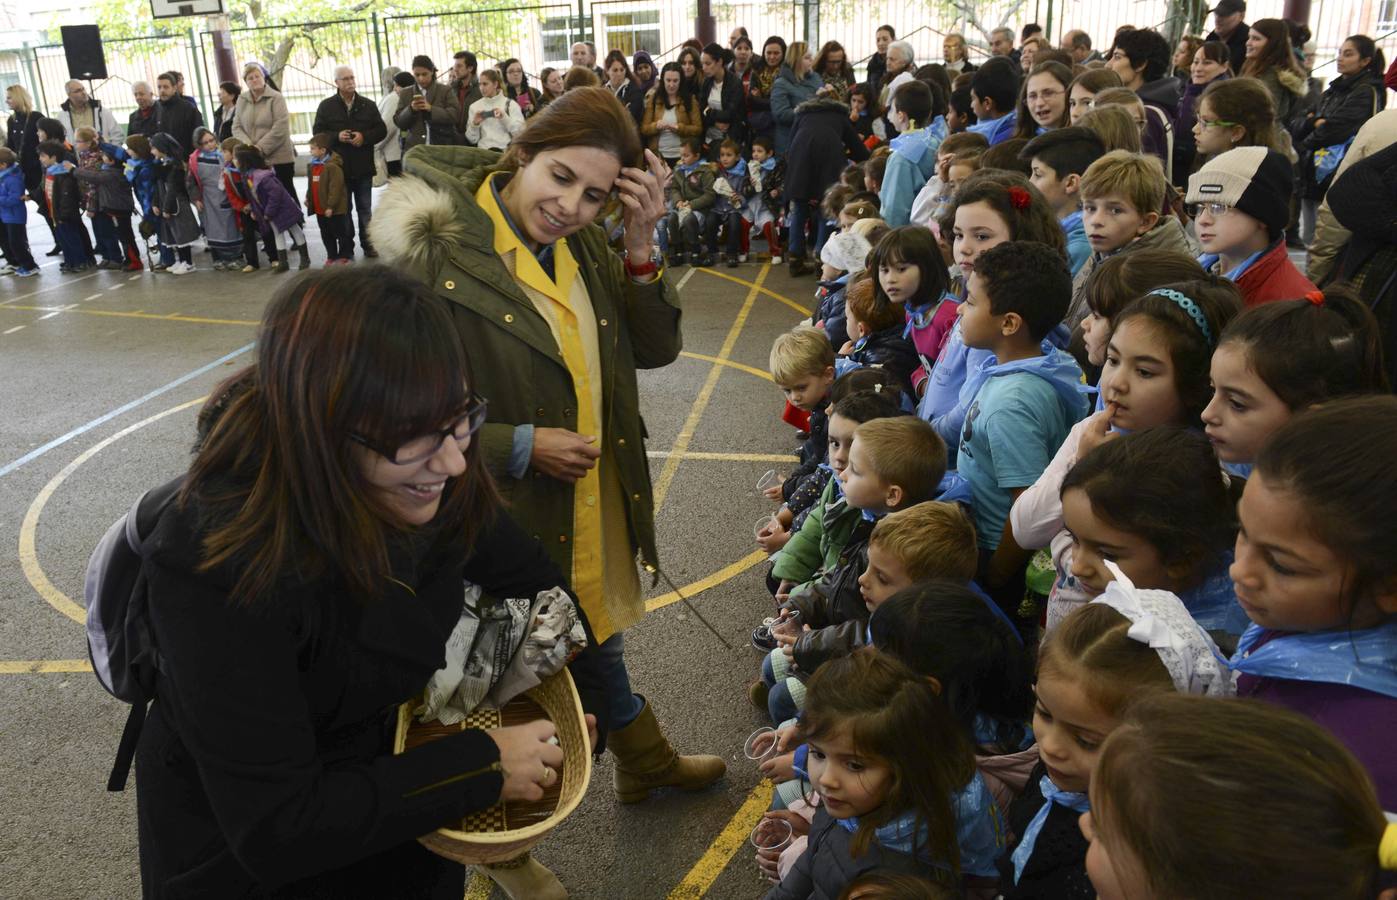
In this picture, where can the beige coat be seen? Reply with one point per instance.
(1330, 237)
(266, 124)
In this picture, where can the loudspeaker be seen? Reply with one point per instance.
(82, 45)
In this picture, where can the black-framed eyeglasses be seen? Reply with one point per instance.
(420, 449)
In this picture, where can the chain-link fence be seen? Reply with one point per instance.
(304, 55)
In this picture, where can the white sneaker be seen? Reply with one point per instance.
(181, 268)
(6, 269)
(742, 257)
(776, 260)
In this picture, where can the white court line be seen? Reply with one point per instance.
(134, 278)
(93, 297)
(127, 407)
(115, 287)
(13, 330)
(60, 309)
(56, 287)
(685, 280)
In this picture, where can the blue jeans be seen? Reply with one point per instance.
(361, 192)
(795, 227)
(624, 705)
(779, 703)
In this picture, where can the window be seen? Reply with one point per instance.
(639, 30)
(1387, 15)
(557, 34)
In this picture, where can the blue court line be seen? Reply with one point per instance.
(83, 429)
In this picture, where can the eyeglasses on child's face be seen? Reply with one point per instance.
(1214, 210)
(1216, 123)
(420, 449)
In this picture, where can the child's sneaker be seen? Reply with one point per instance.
(26, 272)
(703, 260)
(731, 261)
(6, 269)
(776, 260)
(762, 639)
(181, 268)
(742, 257)
(250, 268)
(107, 265)
(677, 259)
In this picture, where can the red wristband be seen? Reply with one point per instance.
(649, 267)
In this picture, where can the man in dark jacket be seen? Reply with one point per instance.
(823, 142)
(356, 123)
(1229, 28)
(178, 117)
(465, 87)
(145, 118)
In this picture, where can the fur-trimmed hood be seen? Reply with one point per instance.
(1293, 81)
(423, 217)
(821, 104)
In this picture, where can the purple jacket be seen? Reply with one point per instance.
(273, 205)
(1364, 721)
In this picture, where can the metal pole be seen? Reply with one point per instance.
(378, 46)
(32, 70)
(1048, 25)
(1297, 11)
(223, 59)
(705, 26)
(199, 79)
(39, 81)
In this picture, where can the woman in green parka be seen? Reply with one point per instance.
(556, 325)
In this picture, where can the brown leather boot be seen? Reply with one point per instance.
(525, 878)
(645, 761)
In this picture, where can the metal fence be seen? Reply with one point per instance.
(306, 54)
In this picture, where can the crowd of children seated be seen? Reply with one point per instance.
(1085, 570)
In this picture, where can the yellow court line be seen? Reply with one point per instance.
(760, 278)
(698, 587)
(171, 317)
(731, 839)
(43, 666)
(28, 553)
(686, 434)
(750, 370)
(727, 457)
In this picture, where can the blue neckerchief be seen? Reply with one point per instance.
(1208, 260)
(1070, 222)
(56, 169)
(321, 160)
(767, 164)
(1362, 659)
(869, 515)
(1237, 470)
(739, 170)
(210, 156)
(1213, 604)
(1051, 795)
(544, 254)
(687, 168)
(979, 832)
(919, 317)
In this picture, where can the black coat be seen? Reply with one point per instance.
(363, 116)
(1236, 46)
(632, 97)
(828, 864)
(734, 109)
(1364, 200)
(22, 136)
(877, 68)
(265, 766)
(1057, 870)
(178, 118)
(823, 142)
(1346, 105)
(222, 123)
(66, 205)
(145, 122)
(890, 351)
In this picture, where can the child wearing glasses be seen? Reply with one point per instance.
(1241, 205)
(1234, 112)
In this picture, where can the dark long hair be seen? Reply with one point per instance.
(1277, 54)
(366, 352)
(1368, 49)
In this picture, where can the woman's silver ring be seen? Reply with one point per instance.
(550, 775)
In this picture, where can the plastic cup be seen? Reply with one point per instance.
(789, 625)
(772, 835)
(763, 524)
(761, 744)
(767, 480)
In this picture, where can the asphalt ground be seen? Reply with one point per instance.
(100, 379)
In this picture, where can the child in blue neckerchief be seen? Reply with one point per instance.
(1125, 644)
(1315, 572)
(62, 199)
(691, 199)
(898, 788)
(766, 177)
(140, 172)
(13, 236)
(913, 160)
(731, 187)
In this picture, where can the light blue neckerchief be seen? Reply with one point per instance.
(1362, 659)
(1071, 221)
(767, 164)
(319, 160)
(1051, 795)
(56, 169)
(1237, 470)
(739, 170)
(1208, 260)
(688, 168)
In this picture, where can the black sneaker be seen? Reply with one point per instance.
(731, 261)
(762, 639)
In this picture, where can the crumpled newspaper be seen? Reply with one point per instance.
(723, 188)
(683, 213)
(499, 649)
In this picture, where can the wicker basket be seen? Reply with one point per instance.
(506, 830)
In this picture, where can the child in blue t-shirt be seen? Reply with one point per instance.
(1026, 395)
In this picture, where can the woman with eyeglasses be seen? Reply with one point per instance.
(302, 584)
(1209, 64)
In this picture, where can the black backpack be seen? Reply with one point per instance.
(120, 641)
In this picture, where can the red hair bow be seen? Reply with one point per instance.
(1019, 198)
(1315, 297)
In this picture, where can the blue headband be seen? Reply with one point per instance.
(1189, 307)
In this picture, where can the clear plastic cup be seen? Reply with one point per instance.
(761, 744)
(768, 480)
(790, 624)
(763, 524)
(772, 835)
